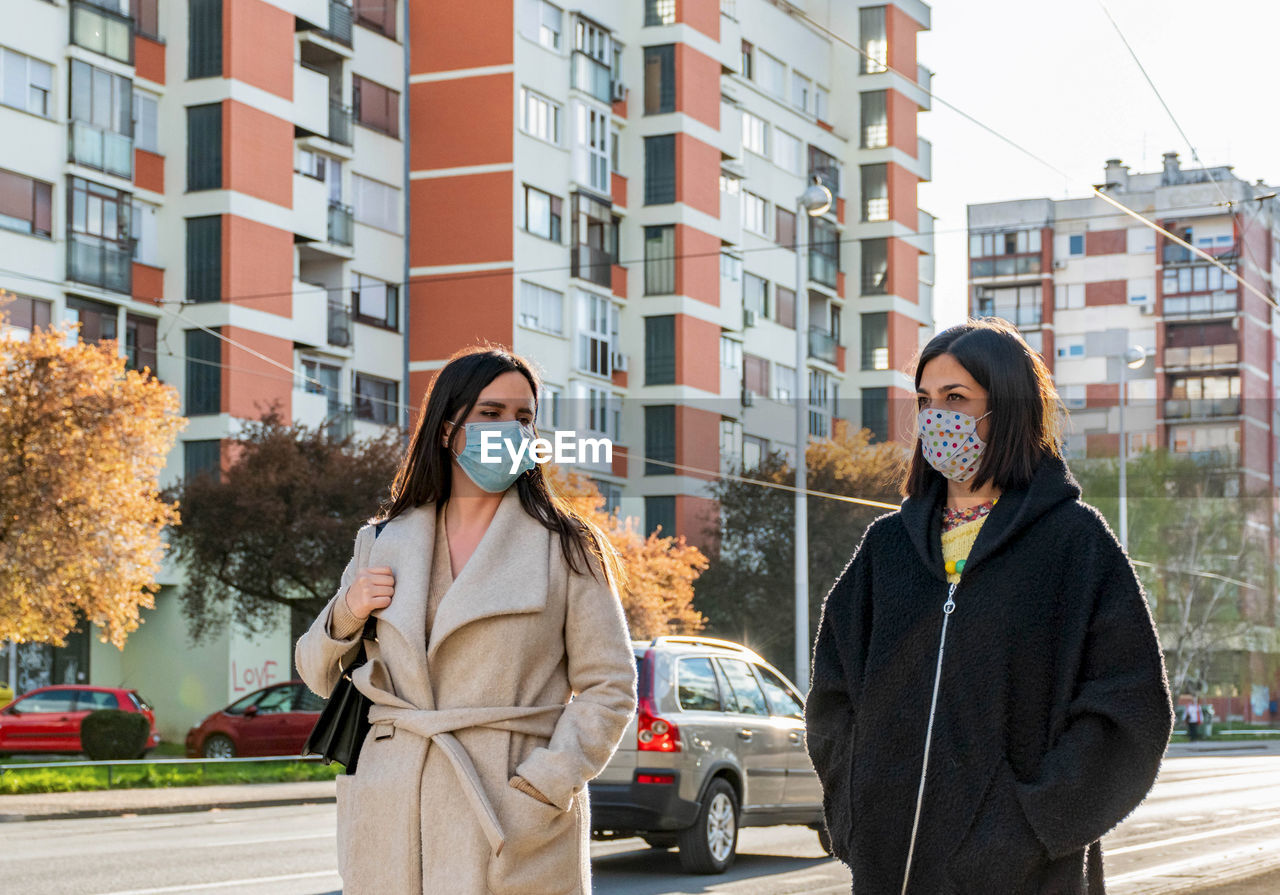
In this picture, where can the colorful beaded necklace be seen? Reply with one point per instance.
(954, 518)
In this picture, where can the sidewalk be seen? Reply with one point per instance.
(1224, 747)
(115, 802)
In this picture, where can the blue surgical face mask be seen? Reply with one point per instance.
(495, 476)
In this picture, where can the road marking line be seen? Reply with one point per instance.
(192, 887)
(1193, 837)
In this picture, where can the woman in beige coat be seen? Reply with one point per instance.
(502, 676)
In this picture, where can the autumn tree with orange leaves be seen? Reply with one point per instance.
(83, 441)
(658, 595)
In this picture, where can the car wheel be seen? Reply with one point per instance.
(219, 746)
(824, 840)
(661, 841)
(710, 844)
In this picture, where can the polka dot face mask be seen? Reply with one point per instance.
(950, 442)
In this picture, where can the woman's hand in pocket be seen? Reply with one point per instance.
(372, 589)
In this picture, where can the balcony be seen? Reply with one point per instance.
(1202, 356)
(341, 225)
(1200, 408)
(822, 344)
(340, 117)
(1207, 304)
(823, 268)
(592, 76)
(1005, 266)
(340, 327)
(100, 149)
(99, 263)
(103, 29)
(340, 423)
(591, 264)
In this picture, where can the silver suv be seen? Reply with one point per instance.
(717, 744)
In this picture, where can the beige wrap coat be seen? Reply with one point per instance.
(528, 670)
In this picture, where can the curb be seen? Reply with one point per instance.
(125, 811)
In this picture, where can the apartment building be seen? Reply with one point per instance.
(1084, 282)
(613, 192)
(217, 185)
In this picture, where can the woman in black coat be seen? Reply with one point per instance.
(979, 720)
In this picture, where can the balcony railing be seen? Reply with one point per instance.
(339, 123)
(340, 328)
(591, 264)
(340, 422)
(99, 263)
(592, 76)
(1202, 356)
(339, 28)
(100, 149)
(1200, 408)
(341, 224)
(1005, 266)
(822, 344)
(1201, 305)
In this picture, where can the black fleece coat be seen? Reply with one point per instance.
(1053, 711)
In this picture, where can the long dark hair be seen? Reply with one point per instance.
(1025, 421)
(426, 474)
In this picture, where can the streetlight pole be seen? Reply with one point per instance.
(1132, 359)
(815, 200)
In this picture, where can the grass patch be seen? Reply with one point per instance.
(39, 780)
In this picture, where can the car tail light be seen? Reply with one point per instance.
(655, 734)
(656, 778)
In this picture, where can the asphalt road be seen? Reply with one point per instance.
(1211, 826)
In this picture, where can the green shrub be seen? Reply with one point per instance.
(110, 734)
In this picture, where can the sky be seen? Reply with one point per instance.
(1055, 77)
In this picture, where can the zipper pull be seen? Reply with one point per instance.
(950, 606)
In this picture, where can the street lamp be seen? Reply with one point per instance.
(814, 201)
(1133, 359)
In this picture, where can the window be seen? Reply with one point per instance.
(659, 439)
(1202, 396)
(824, 252)
(873, 40)
(660, 260)
(782, 699)
(102, 32)
(542, 213)
(198, 458)
(1069, 297)
(745, 696)
(659, 12)
(204, 147)
(375, 106)
(204, 258)
(773, 74)
(146, 14)
(204, 372)
(748, 61)
(784, 382)
(755, 134)
(786, 306)
(140, 342)
(730, 353)
(541, 308)
(755, 294)
(826, 167)
(102, 119)
(549, 402)
(660, 350)
(784, 227)
(660, 514)
(615, 143)
(49, 702)
(787, 151)
(204, 38)
(22, 315)
(875, 266)
(99, 251)
(801, 90)
(550, 25)
(597, 333)
(1070, 347)
(660, 170)
(26, 83)
(146, 120)
(755, 213)
(593, 240)
(875, 119)
(696, 686)
(376, 399)
(821, 102)
(375, 203)
(659, 79)
(603, 409)
(377, 15)
(591, 147)
(730, 266)
(541, 116)
(875, 341)
(146, 249)
(875, 192)
(755, 374)
(875, 412)
(1075, 245)
(375, 301)
(1207, 444)
(1020, 305)
(754, 449)
(97, 319)
(821, 401)
(26, 204)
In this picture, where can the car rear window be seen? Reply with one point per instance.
(696, 685)
(141, 704)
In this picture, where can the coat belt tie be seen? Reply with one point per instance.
(438, 726)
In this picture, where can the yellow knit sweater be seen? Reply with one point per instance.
(957, 543)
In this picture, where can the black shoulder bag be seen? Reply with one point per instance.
(340, 730)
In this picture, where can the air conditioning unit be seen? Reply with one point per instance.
(748, 397)
(748, 317)
(1147, 307)
(1059, 263)
(619, 91)
(619, 361)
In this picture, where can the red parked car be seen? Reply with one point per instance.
(48, 718)
(272, 721)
